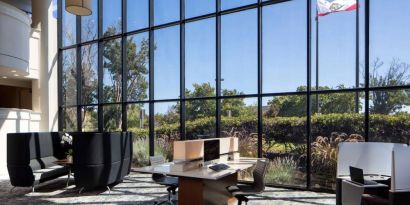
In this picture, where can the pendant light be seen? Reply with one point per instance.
(79, 7)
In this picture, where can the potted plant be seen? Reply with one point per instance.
(67, 142)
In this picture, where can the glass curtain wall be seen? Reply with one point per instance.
(290, 85)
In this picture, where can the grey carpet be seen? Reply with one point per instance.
(138, 189)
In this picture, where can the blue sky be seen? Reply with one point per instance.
(284, 43)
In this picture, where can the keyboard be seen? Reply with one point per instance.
(219, 167)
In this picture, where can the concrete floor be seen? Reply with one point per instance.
(138, 189)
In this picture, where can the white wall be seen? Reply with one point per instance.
(45, 92)
(42, 78)
(15, 120)
(14, 40)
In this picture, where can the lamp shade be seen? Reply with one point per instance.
(79, 7)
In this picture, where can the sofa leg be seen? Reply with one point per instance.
(32, 189)
(68, 178)
(82, 188)
(109, 190)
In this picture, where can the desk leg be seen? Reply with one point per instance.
(190, 191)
(205, 192)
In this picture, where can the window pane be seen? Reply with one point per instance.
(166, 63)
(200, 119)
(166, 11)
(112, 60)
(111, 17)
(112, 117)
(89, 24)
(166, 128)
(70, 119)
(239, 118)
(138, 67)
(390, 116)
(69, 85)
(89, 118)
(284, 47)
(284, 139)
(200, 58)
(338, 122)
(229, 4)
(337, 51)
(89, 72)
(138, 119)
(137, 14)
(239, 53)
(69, 27)
(389, 43)
(199, 7)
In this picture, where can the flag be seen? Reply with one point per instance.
(325, 7)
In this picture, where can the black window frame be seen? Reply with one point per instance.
(310, 91)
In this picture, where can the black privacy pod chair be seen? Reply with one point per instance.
(31, 157)
(101, 159)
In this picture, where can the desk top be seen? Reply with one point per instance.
(369, 177)
(64, 162)
(203, 172)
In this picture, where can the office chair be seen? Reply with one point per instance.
(240, 192)
(170, 182)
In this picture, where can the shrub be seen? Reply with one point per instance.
(282, 170)
(324, 155)
(293, 129)
(287, 134)
(140, 152)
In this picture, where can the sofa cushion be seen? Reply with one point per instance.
(42, 163)
(49, 173)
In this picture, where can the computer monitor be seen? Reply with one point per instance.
(356, 175)
(211, 150)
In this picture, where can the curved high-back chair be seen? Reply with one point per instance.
(101, 158)
(31, 157)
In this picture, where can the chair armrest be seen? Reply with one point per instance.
(351, 193)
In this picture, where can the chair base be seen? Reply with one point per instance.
(171, 191)
(241, 199)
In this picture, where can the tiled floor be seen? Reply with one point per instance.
(138, 189)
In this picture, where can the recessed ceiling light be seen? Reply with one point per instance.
(16, 75)
(13, 71)
(4, 77)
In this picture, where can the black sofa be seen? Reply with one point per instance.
(101, 159)
(30, 158)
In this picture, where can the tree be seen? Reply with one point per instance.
(295, 105)
(199, 108)
(137, 65)
(387, 102)
(205, 108)
(236, 106)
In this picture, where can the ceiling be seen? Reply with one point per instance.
(24, 5)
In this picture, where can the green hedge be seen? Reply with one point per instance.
(389, 128)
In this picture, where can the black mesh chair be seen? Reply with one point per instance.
(241, 192)
(170, 182)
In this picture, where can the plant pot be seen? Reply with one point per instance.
(70, 158)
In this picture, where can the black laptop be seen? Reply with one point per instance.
(356, 175)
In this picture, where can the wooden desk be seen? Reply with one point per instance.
(204, 186)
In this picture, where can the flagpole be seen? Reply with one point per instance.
(357, 57)
(317, 60)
